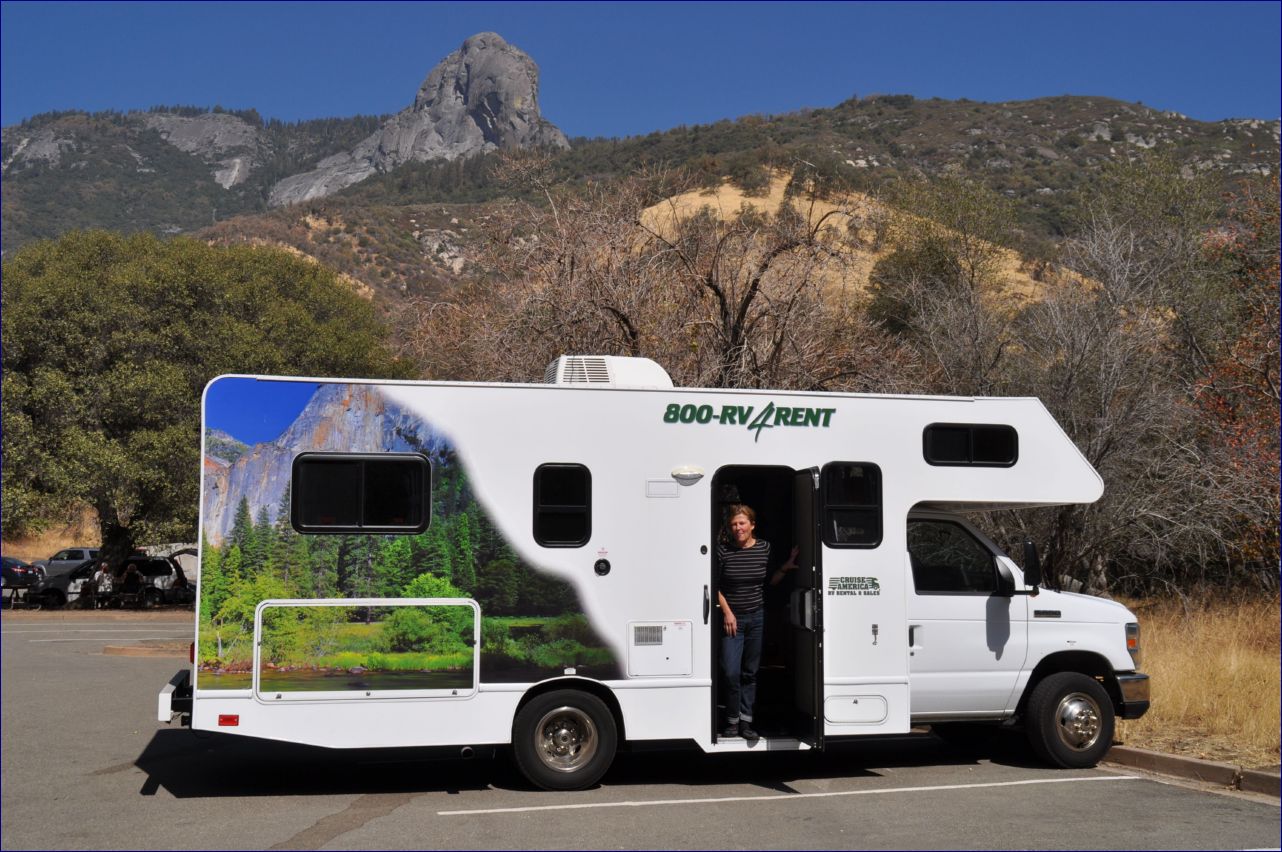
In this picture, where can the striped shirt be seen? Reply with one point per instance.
(743, 575)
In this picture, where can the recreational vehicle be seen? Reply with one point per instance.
(535, 565)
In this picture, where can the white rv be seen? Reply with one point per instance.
(450, 564)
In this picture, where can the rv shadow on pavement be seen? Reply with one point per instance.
(190, 764)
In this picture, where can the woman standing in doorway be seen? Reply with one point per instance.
(742, 562)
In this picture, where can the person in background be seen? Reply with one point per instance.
(103, 582)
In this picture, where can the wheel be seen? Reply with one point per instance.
(52, 598)
(1070, 720)
(564, 740)
(152, 598)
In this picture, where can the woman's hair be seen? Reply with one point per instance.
(732, 510)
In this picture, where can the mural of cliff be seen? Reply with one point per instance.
(532, 626)
(339, 418)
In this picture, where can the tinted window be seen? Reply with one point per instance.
(947, 558)
(851, 504)
(562, 505)
(156, 568)
(977, 444)
(360, 493)
(390, 494)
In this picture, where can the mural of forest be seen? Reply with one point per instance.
(532, 623)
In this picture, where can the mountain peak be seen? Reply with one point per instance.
(482, 97)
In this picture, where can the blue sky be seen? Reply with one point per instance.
(255, 411)
(617, 69)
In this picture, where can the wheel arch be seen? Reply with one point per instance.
(1089, 663)
(582, 684)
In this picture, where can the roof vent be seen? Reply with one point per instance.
(606, 371)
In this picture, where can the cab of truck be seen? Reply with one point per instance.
(989, 646)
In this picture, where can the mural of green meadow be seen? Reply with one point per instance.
(333, 648)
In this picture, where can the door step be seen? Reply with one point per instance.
(727, 745)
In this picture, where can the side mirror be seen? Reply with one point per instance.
(1032, 565)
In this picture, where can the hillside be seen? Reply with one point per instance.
(171, 170)
(128, 171)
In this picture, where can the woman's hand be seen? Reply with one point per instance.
(792, 559)
(730, 622)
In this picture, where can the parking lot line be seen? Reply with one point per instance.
(783, 796)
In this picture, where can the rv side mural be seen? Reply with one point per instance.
(532, 624)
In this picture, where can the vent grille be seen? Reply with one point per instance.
(647, 634)
(549, 375)
(582, 370)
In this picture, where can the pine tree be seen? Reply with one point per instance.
(281, 552)
(464, 559)
(430, 552)
(242, 527)
(392, 567)
(256, 553)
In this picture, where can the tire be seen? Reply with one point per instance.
(564, 740)
(52, 599)
(1070, 720)
(152, 598)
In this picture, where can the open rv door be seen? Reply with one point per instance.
(806, 611)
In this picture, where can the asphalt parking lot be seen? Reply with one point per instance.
(86, 766)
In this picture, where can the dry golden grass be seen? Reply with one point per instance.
(1215, 680)
(856, 208)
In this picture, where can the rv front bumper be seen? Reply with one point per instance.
(1135, 695)
(175, 698)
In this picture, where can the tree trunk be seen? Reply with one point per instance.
(117, 540)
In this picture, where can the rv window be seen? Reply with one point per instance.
(970, 444)
(386, 493)
(947, 558)
(562, 505)
(851, 504)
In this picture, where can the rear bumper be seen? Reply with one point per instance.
(1134, 687)
(175, 698)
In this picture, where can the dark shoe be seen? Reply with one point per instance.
(746, 731)
(731, 729)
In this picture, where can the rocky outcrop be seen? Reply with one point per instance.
(338, 418)
(43, 146)
(227, 141)
(482, 97)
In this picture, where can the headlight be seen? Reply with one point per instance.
(1133, 643)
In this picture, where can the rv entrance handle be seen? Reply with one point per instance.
(707, 604)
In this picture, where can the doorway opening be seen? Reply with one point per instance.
(789, 677)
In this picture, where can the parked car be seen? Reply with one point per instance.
(66, 559)
(163, 578)
(19, 574)
(63, 587)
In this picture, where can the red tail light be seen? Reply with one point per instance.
(228, 720)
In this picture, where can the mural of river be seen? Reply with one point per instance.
(323, 681)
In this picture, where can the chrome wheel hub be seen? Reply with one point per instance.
(565, 739)
(1077, 721)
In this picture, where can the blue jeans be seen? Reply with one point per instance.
(740, 659)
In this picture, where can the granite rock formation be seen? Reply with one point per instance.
(338, 418)
(482, 97)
